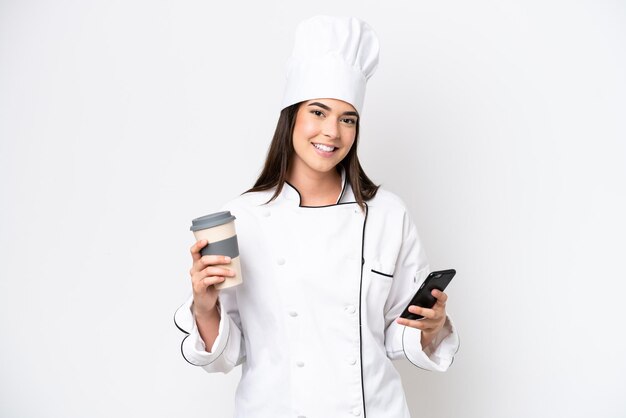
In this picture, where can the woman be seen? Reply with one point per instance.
(329, 259)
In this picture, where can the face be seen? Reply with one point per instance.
(324, 131)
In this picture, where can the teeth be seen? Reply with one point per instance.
(323, 147)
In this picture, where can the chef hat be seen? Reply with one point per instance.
(333, 57)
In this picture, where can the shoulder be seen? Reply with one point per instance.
(388, 200)
(390, 227)
(391, 210)
(248, 201)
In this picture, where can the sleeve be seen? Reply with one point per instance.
(401, 341)
(228, 349)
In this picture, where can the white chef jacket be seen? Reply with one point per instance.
(313, 324)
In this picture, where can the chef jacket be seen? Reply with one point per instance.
(314, 322)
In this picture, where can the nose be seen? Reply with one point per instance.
(331, 128)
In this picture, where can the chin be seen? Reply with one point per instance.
(323, 168)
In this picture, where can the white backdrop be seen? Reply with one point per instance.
(500, 123)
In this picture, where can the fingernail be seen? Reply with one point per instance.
(227, 258)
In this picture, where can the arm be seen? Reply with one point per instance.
(210, 316)
(227, 350)
(404, 341)
(208, 325)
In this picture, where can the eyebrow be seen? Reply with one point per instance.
(323, 106)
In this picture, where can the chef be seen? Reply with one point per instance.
(329, 259)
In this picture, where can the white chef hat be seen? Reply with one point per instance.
(333, 57)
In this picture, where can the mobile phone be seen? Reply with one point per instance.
(423, 297)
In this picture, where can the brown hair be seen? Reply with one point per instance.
(280, 155)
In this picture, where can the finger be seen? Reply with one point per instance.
(425, 312)
(211, 280)
(440, 296)
(217, 271)
(421, 325)
(209, 260)
(425, 325)
(439, 313)
(203, 284)
(195, 249)
(199, 275)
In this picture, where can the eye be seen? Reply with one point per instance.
(317, 112)
(349, 121)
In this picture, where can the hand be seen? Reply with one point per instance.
(433, 320)
(204, 275)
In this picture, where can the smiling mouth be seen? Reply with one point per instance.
(325, 148)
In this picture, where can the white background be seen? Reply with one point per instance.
(500, 123)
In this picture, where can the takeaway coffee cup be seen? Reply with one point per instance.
(219, 230)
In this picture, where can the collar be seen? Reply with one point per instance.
(346, 195)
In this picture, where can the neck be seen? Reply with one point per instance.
(316, 189)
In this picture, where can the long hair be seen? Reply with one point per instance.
(281, 152)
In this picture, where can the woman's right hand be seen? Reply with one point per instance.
(205, 273)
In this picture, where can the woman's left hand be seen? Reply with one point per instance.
(433, 320)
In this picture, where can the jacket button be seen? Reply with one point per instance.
(350, 309)
(300, 364)
(351, 361)
(293, 313)
(280, 261)
(356, 411)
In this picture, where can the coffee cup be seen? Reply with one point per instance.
(219, 231)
